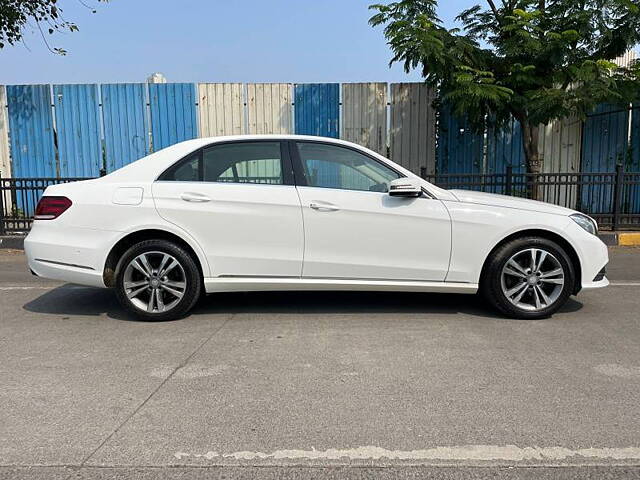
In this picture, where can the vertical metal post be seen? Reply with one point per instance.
(2, 197)
(509, 180)
(617, 195)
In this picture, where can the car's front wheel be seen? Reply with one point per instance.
(528, 278)
(157, 280)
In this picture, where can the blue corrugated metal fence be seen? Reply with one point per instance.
(504, 147)
(126, 129)
(33, 151)
(317, 109)
(604, 144)
(460, 148)
(173, 113)
(631, 195)
(316, 112)
(78, 129)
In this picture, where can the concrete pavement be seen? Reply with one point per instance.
(318, 385)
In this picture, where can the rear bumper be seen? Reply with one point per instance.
(69, 254)
(66, 273)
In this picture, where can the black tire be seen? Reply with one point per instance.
(189, 270)
(491, 283)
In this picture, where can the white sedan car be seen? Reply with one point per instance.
(251, 213)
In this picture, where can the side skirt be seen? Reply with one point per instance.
(257, 284)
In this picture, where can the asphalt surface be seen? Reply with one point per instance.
(318, 385)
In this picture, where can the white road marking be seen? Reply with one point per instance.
(625, 284)
(25, 288)
(190, 371)
(510, 453)
(40, 287)
(615, 370)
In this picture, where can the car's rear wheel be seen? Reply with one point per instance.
(157, 280)
(528, 278)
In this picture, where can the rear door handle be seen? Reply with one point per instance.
(323, 207)
(194, 197)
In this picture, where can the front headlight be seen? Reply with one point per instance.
(588, 223)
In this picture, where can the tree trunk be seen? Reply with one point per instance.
(530, 137)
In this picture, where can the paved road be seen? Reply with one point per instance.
(318, 385)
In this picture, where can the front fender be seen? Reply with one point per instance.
(477, 229)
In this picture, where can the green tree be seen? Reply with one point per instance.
(43, 15)
(532, 60)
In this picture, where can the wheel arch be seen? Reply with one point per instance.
(122, 245)
(549, 235)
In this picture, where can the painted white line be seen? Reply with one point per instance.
(616, 370)
(40, 287)
(510, 453)
(26, 288)
(625, 284)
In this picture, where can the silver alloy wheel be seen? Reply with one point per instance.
(154, 282)
(532, 279)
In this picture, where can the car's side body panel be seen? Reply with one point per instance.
(81, 239)
(478, 228)
(369, 235)
(245, 229)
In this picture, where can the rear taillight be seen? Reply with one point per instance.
(51, 207)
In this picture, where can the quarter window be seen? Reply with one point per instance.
(330, 166)
(184, 171)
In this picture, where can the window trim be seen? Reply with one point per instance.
(298, 168)
(285, 163)
(301, 179)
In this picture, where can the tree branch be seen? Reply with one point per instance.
(44, 39)
(494, 9)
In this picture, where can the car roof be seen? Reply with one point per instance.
(149, 167)
(228, 138)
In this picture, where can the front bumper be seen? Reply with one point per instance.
(593, 255)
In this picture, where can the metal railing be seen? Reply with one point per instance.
(612, 198)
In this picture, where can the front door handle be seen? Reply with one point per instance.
(194, 197)
(323, 207)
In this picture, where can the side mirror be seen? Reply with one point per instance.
(405, 187)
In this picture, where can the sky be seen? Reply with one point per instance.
(212, 41)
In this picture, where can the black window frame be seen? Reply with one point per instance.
(286, 164)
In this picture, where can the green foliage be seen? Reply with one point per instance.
(43, 15)
(535, 60)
